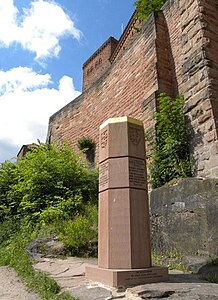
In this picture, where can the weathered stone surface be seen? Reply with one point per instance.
(69, 274)
(194, 263)
(47, 246)
(184, 217)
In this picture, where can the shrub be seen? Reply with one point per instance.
(48, 176)
(8, 177)
(171, 155)
(80, 235)
(87, 146)
(146, 7)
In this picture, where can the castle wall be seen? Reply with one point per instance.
(98, 63)
(197, 67)
(119, 92)
(209, 10)
(175, 52)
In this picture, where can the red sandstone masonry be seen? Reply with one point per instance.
(176, 51)
(96, 65)
(117, 93)
(197, 85)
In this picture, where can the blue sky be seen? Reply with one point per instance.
(43, 45)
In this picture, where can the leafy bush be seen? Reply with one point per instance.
(80, 235)
(48, 176)
(50, 191)
(171, 156)
(8, 177)
(145, 7)
(7, 230)
(86, 144)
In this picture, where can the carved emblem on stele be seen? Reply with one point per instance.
(135, 135)
(104, 139)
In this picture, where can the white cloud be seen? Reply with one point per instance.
(21, 79)
(28, 102)
(38, 28)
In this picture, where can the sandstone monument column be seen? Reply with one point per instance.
(124, 253)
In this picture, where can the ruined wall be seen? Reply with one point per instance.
(184, 217)
(175, 52)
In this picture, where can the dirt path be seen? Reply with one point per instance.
(12, 288)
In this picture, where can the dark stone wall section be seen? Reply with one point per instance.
(184, 217)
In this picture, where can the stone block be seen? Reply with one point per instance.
(119, 278)
(120, 139)
(122, 172)
(124, 230)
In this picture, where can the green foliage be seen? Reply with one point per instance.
(171, 260)
(146, 7)
(210, 277)
(80, 235)
(171, 156)
(50, 182)
(50, 191)
(7, 229)
(8, 177)
(86, 144)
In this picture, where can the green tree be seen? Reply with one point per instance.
(8, 177)
(146, 7)
(171, 156)
(51, 181)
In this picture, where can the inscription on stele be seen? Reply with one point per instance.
(103, 175)
(104, 139)
(145, 274)
(137, 175)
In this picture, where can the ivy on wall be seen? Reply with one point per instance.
(171, 157)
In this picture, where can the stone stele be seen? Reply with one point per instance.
(124, 251)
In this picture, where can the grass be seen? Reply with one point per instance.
(171, 260)
(78, 235)
(214, 262)
(14, 255)
(210, 277)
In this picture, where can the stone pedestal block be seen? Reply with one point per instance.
(130, 277)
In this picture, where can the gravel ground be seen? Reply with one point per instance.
(12, 288)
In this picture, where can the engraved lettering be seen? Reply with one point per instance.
(103, 175)
(137, 175)
(104, 138)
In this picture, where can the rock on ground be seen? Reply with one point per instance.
(12, 288)
(70, 275)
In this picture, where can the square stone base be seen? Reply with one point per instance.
(118, 278)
